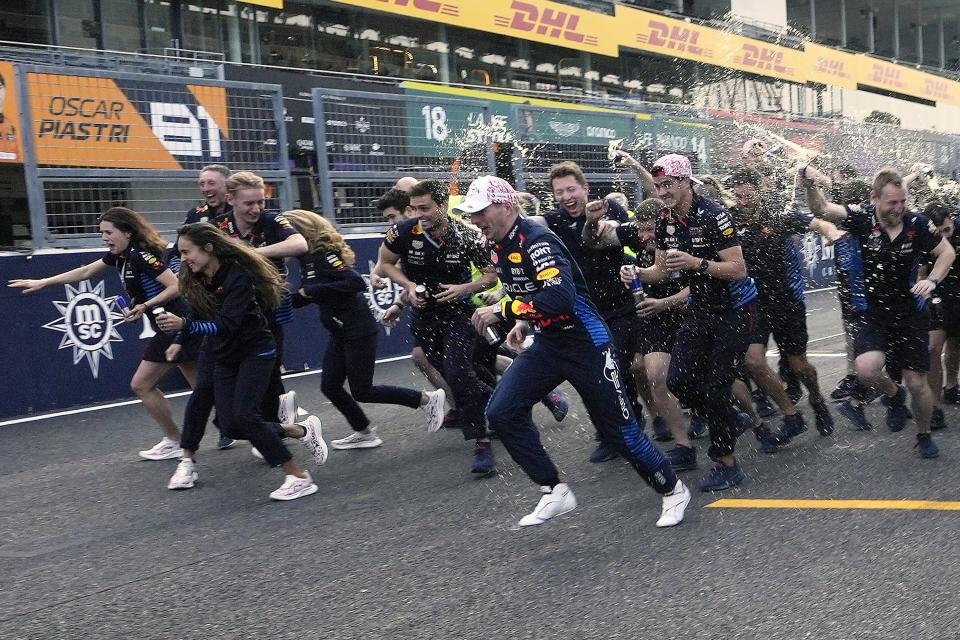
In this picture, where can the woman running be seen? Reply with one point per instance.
(233, 289)
(134, 248)
(329, 281)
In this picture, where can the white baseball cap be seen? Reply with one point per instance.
(485, 191)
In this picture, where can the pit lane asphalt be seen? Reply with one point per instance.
(401, 542)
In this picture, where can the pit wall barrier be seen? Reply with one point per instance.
(68, 346)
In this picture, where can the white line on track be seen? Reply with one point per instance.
(178, 394)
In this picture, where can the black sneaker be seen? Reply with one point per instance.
(603, 453)
(792, 426)
(897, 412)
(722, 477)
(696, 428)
(483, 460)
(951, 395)
(682, 458)
(661, 432)
(854, 413)
(926, 447)
(768, 442)
(937, 419)
(844, 388)
(824, 420)
(762, 403)
(225, 442)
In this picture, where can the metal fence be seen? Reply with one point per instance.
(366, 141)
(546, 136)
(98, 139)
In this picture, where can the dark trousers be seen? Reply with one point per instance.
(353, 360)
(594, 373)
(271, 399)
(449, 345)
(708, 351)
(201, 402)
(239, 389)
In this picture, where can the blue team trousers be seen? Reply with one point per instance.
(595, 374)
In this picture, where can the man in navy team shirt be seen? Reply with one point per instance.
(547, 294)
(890, 245)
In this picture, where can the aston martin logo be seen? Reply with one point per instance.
(88, 322)
(564, 129)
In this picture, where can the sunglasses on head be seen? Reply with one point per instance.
(658, 171)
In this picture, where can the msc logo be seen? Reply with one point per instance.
(379, 300)
(88, 323)
(551, 23)
(762, 58)
(427, 5)
(676, 38)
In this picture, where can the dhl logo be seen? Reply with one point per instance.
(676, 38)
(762, 58)
(830, 67)
(551, 23)
(431, 6)
(935, 88)
(885, 75)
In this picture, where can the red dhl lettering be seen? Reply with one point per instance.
(936, 88)
(831, 67)
(763, 58)
(551, 23)
(676, 38)
(427, 5)
(886, 75)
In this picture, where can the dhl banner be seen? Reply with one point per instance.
(11, 149)
(680, 39)
(903, 79)
(573, 28)
(273, 4)
(833, 67)
(537, 20)
(141, 123)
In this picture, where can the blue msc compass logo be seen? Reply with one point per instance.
(88, 322)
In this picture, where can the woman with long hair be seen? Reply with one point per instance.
(134, 248)
(329, 280)
(232, 289)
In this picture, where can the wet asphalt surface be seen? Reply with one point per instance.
(402, 542)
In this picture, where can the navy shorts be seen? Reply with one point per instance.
(787, 325)
(658, 334)
(156, 348)
(945, 316)
(903, 339)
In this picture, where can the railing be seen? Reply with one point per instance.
(191, 64)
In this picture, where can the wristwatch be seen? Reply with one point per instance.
(704, 265)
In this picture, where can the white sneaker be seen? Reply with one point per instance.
(313, 439)
(256, 454)
(553, 503)
(287, 413)
(434, 410)
(166, 449)
(358, 440)
(674, 504)
(184, 476)
(294, 487)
